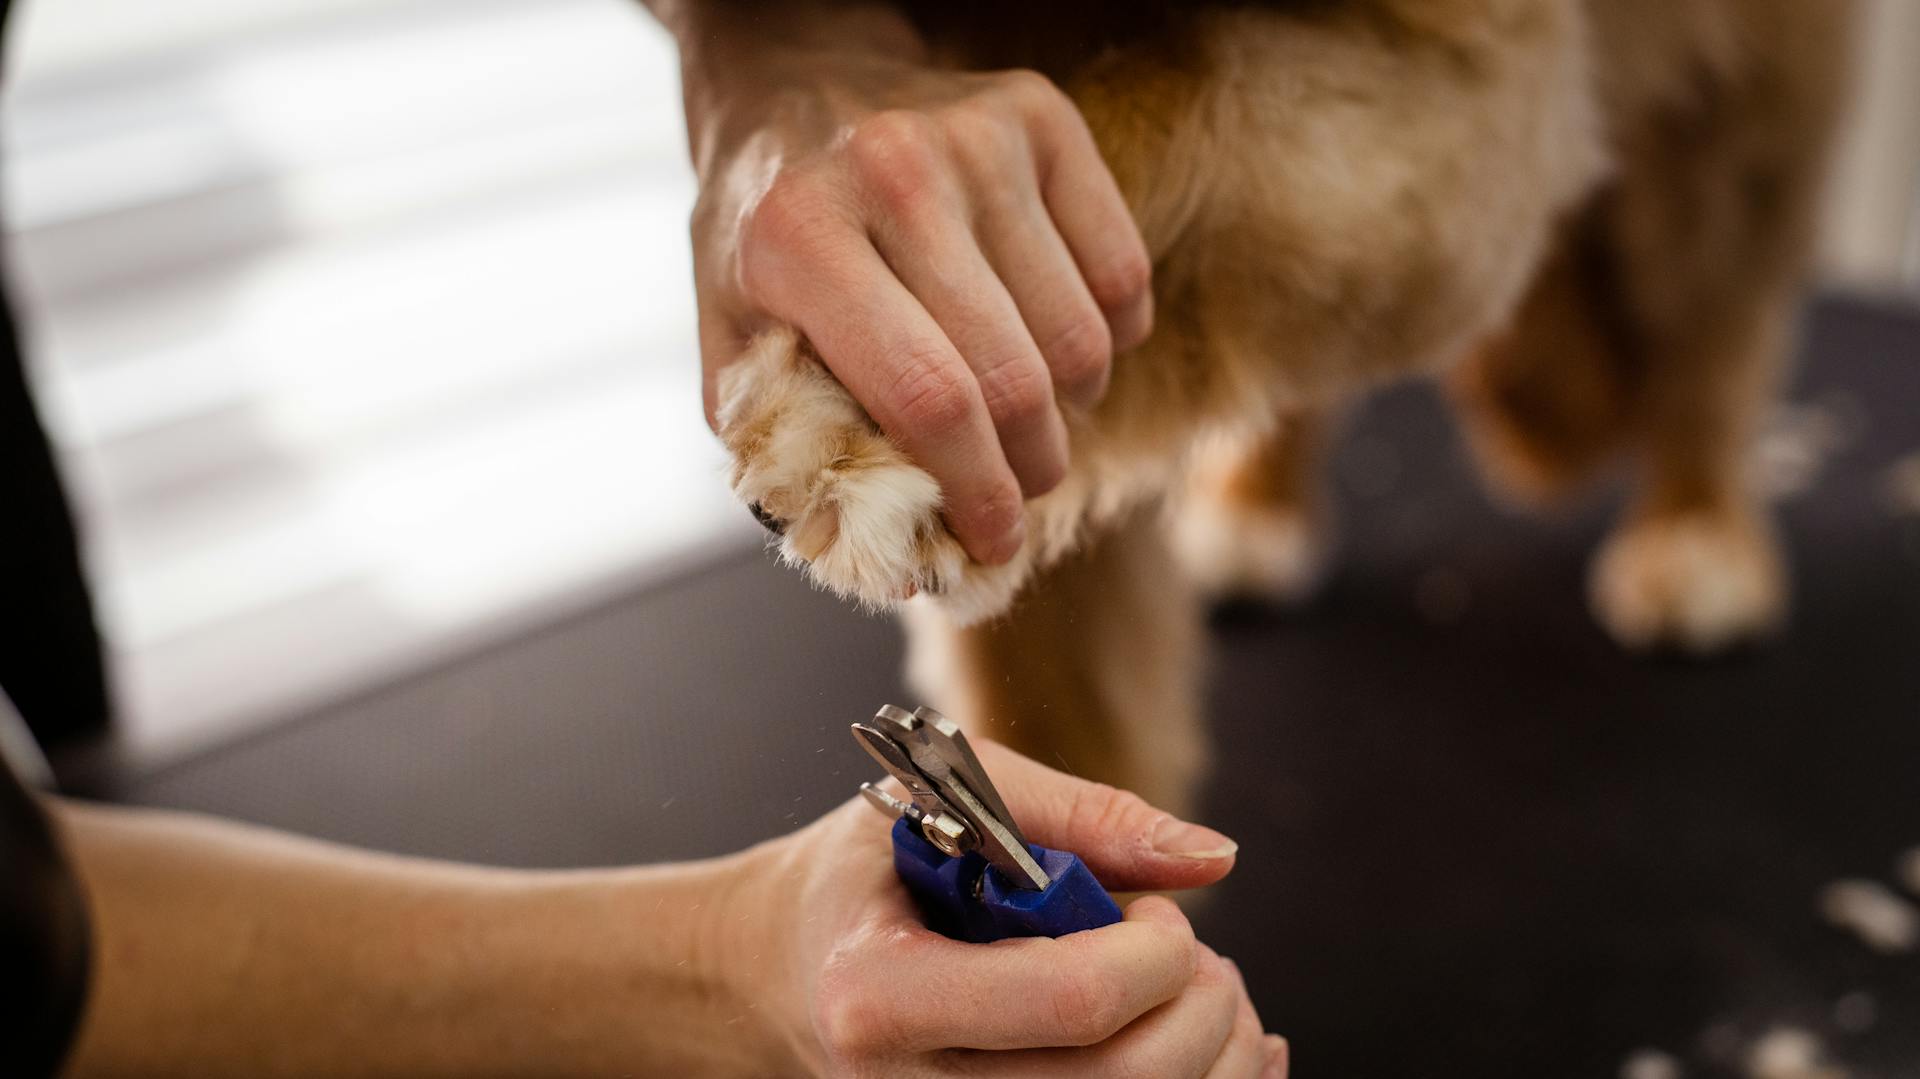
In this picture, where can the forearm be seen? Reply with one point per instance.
(737, 56)
(229, 950)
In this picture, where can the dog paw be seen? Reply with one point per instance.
(845, 503)
(1274, 553)
(1701, 582)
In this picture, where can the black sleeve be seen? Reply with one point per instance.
(44, 938)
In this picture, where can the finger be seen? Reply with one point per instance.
(1060, 313)
(1077, 990)
(884, 347)
(722, 337)
(1247, 1051)
(723, 341)
(1128, 844)
(1096, 224)
(1182, 1039)
(940, 262)
(1279, 1057)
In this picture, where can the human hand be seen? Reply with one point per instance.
(854, 985)
(951, 243)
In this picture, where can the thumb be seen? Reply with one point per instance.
(1129, 845)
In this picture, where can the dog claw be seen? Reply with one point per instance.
(767, 520)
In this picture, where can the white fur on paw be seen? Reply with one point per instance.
(1266, 553)
(850, 508)
(1701, 582)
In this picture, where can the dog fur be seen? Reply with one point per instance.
(1591, 219)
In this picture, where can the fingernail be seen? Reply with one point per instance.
(1175, 836)
(1277, 1056)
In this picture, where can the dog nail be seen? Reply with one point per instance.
(767, 520)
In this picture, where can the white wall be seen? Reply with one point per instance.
(1873, 207)
(363, 339)
(55, 37)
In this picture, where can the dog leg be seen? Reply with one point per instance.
(1094, 670)
(1545, 403)
(1710, 226)
(1693, 562)
(1569, 387)
(1256, 521)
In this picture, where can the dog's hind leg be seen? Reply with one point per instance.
(1662, 327)
(1545, 403)
(1577, 383)
(1095, 670)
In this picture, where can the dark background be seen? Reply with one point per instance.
(1477, 839)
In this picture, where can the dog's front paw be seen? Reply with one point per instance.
(1702, 582)
(845, 502)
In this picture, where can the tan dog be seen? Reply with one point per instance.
(1592, 218)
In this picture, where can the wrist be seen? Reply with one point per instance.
(700, 959)
(746, 66)
(638, 971)
(752, 954)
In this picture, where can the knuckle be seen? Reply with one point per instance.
(1044, 475)
(1083, 1012)
(930, 397)
(784, 221)
(850, 1023)
(983, 133)
(1018, 393)
(1031, 88)
(999, 510)
(895, 155)
(779, 214)
(1211, 970)
(1081, 353)
(1099, 809)
(1123, 280)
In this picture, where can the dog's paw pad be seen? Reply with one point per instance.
(1701, 582)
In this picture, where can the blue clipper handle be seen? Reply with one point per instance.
(966, 899)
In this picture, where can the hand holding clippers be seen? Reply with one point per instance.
(957, 848)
